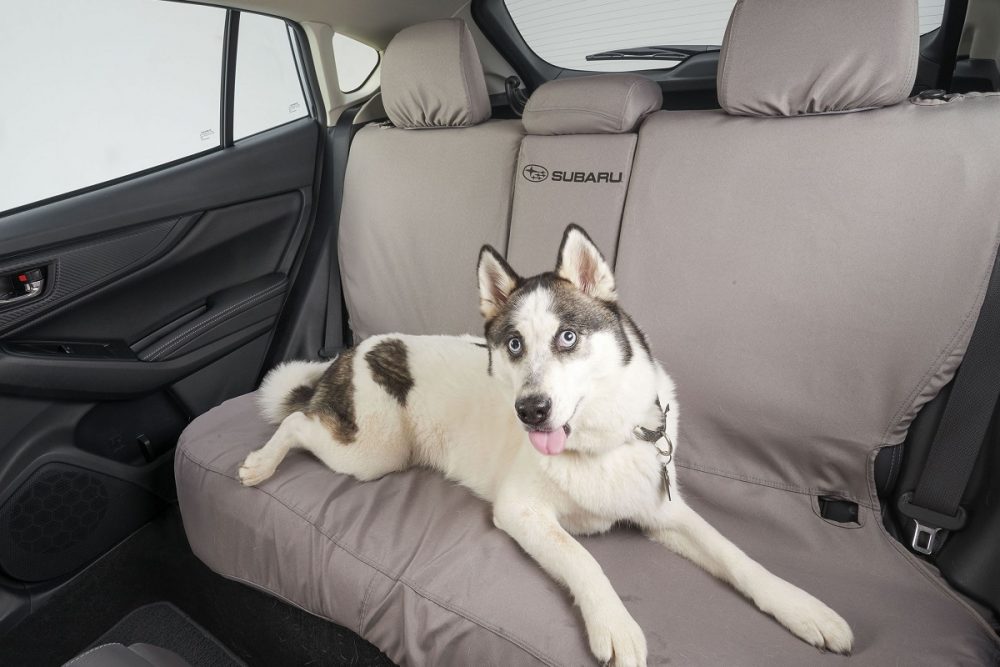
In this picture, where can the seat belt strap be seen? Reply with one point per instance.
(935, 505)
(343, 134)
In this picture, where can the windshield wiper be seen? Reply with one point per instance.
(653, 53)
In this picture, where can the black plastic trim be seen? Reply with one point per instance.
(252, 169)
(227, 97)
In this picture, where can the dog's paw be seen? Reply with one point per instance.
(616, 639)
(811, 620)
(257, 467)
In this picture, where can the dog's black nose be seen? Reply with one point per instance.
(533, 409)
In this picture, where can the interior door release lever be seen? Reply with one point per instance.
(22, 286)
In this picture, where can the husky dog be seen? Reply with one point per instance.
(565, 423)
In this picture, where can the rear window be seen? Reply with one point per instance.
(565, 32)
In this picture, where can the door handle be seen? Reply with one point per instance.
(21, 286)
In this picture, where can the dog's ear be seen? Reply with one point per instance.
(497, 281)
(581, 263)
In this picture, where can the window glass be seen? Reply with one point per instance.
(565, 32)
(96, 90)
(268, 90)
(355, 62)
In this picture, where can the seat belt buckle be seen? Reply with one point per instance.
(924, 538)
(928, 524)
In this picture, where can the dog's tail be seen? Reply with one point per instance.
(289, 388)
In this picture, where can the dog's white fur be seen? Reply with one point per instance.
(459, 419)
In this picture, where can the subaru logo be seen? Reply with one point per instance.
(535, 173)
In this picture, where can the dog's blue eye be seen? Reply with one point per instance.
(514, 345)
(567, 339)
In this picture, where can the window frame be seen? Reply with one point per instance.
(227, 98)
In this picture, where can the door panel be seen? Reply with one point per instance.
(161, 295)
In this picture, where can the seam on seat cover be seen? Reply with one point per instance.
(759, 481)
(628, 97)
(461, 67)
(364, 605)
(948, 351)
(779, 486)
(900, 551)
(589, 112)
(447, 606)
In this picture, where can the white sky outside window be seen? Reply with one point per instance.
(564, 32)
(355, 62)
(268, 92)
(96, 90)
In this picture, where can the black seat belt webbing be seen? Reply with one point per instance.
(935, 503)
(343, 134)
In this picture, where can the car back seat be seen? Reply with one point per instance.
(575, 163)
(777, 265)
(425, 193)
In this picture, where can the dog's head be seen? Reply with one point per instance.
(557, 337)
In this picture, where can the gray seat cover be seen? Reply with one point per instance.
(422, 196)
(413, 564)
(575, 163)
(809, 282)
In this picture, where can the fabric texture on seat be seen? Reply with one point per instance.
(600, 104)
(417, 208)
(431, 76)
(574, 164)
(809, 283)
(416, 202)
(793, 57)
(830, 297)
(412, 563)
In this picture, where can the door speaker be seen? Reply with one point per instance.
(64, 516)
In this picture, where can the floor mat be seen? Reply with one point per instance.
(164, 625)
(156, 565)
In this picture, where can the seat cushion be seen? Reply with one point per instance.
(413, 564)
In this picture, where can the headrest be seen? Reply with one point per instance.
(432, 77)
(605, 103)
(795, 57)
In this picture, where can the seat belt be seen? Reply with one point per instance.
(935, 505)
(343, 134)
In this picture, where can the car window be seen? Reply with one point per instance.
(124, 86)
(565, 32)
(355, 62)
(116, 87)
(268, 89)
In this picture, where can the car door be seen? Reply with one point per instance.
(157, 170)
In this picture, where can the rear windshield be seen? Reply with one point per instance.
(614, 32)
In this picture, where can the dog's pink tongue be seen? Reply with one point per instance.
(548, 442)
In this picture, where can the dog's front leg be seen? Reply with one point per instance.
(611, 631)
(686, 533)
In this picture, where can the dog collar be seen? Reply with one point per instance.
(664, 447)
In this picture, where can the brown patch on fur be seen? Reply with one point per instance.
(333, 400)
(298, 399)
(390, 368)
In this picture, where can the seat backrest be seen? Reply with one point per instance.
(575, 163)
(810, 261)
(422, 196)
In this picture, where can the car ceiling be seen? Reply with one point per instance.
(372, 21)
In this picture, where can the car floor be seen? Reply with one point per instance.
(151, 588)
